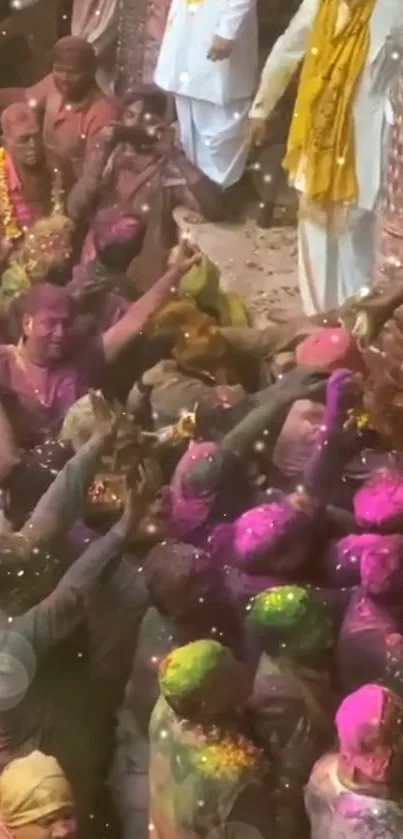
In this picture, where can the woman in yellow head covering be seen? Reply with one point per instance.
(36, 801)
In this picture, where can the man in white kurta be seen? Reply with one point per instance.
(208, 60)
(334, 264)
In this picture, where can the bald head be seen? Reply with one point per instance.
(22, 135)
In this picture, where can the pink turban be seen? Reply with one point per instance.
(18, 119)
(329, 349)
(367, 724)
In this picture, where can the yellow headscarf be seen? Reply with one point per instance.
(321, 145)
(32, 788)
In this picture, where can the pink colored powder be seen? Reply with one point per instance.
(259, 530)
(381, 561)
(380, 500)
(359, 723)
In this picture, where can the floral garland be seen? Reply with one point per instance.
(11, 227)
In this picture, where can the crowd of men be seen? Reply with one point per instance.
(201, 531)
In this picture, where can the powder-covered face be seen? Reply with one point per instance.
(26, 147)
(47, 333)
(132, 113)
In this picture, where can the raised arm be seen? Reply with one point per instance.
(54, 618)
(298, 384)
(133, 322)
(84, 194)
(283, 61)
(63, 502)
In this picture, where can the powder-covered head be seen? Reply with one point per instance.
(47, 322)
(177, 316)
(22, 134)
(33, 788)
(74, 50)
(209, 486)
(142, 102)
(378, 504)
(18, 119)
(118, 237)
(48, 298)
(298, 436)
(342, 560)
(46, 252)
(289, 621)
(330, 348)
(382, 567)
(181, 579)
(204, 677)
(369, 725)
(264, 542)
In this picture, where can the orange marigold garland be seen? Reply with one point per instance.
(12, 229)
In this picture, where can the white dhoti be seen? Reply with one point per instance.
(333, 268)
(214, 137)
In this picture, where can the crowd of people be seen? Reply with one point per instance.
(201, 523)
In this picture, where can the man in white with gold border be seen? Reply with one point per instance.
(208, 60)
(350, 51)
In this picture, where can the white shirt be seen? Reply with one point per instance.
(373, 94)
(183, 67)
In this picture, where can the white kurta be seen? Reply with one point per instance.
(330, 269)
(212, 98)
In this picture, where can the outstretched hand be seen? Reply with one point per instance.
(187, 255)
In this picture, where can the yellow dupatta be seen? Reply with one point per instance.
(321, 145)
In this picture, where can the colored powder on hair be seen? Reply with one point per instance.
(226, 756)
(187, 669)
(299, 623)
(380, 499)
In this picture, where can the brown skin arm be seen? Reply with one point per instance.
(133, 322)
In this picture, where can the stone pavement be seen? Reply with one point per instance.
(260, 265)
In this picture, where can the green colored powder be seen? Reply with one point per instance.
(188, 669)
(296, 621)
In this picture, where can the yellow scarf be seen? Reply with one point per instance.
(321, 144)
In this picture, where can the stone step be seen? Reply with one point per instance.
(260, 265)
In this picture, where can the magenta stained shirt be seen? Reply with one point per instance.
(43, 396)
